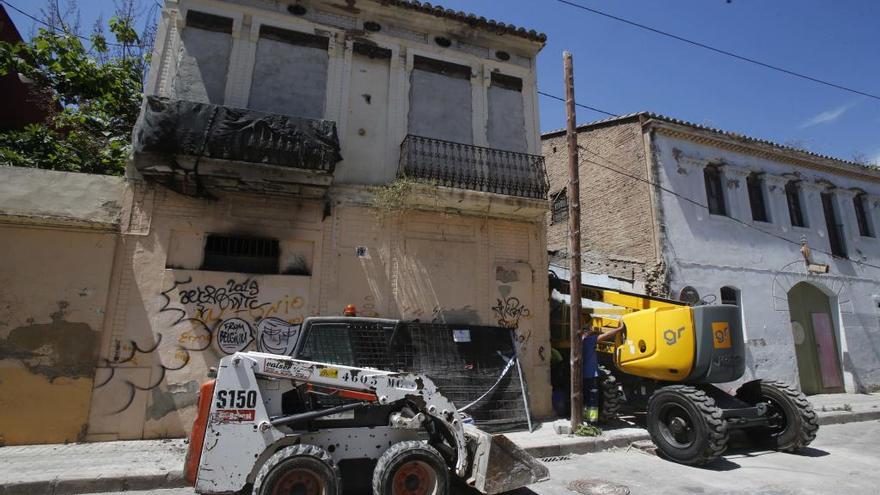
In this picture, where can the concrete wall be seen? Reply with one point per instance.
(440, 107)
(289, 79)
(506, 129)
(709, 251)
(617, 220)
(56, 252)
(171, 321)
(202, 65)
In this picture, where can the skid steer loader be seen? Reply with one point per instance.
(258, 431)
(666, 360)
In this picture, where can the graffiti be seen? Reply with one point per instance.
(509, 311)
(234, 295)
(234, 335)
(277, 336)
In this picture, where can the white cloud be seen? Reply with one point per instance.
(826, 117)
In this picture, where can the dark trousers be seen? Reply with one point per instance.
(591, 392)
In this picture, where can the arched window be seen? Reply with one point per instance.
(730, 295)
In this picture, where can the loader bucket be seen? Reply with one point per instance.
(499, 465)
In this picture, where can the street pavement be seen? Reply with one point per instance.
(843, 459)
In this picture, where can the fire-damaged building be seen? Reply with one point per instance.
(293, 158)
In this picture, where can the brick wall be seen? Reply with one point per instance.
(616, 216)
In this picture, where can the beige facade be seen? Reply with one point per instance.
(445, 226)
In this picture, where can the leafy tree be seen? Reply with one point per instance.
(98, 90)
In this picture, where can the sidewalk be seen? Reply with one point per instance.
(154, 464)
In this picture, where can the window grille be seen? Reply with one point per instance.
(559, 213)
(240, 254)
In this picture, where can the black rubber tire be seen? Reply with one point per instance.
(704, 423)
(403, 453)
(800, 422)
(612, 396)
(308, 457)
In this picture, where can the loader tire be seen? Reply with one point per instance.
(686, 425)
(612, 396)
(411, 468)
(793, 423)
(304, 469)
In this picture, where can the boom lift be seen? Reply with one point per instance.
(257, 430)
(666, 361)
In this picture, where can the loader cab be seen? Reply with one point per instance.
(353, 341)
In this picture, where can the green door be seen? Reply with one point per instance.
(815, 340)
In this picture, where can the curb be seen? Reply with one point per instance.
(844, 417)
(72, 486)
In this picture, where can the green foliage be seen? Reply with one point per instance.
(588, 430)
(96, 95)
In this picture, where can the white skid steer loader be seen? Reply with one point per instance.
(258, 432)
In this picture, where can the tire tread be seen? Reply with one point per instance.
(296, 451)
(717, 427)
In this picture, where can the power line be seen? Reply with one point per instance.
(44, 23)
(706, 207)
(548, 95)
(718, 50)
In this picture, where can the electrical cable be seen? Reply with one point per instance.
(548, 95)
(706, 207)
(718, 50)
(44, 23)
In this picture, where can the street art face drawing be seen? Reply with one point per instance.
(277, 336)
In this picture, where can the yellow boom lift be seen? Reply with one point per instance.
(666, 362)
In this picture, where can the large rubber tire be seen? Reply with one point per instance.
(303, 469)
(612, 395)
(411, 468)
(793, 423)
(686, 425)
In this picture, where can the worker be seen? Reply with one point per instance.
(591, 369)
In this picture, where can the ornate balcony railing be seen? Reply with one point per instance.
(477, 168)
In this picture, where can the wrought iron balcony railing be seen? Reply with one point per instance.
(477, 168)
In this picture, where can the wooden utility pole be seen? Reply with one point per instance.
(574, 247)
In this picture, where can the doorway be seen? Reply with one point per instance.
(815, 340)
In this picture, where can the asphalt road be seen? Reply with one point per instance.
(843, 459)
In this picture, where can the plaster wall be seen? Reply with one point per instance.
(289, 79)
(202, 65)
(172, 321)
(710, 251)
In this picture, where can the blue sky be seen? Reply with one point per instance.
(622, 69)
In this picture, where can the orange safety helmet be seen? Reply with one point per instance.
(349, 310)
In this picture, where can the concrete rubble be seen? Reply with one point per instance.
(154, 464)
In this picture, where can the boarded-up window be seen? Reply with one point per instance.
(440, 103)
(865, 229)
(203, 63)
(756, 197)
(506, 128)
(290, 73)
(559, 213)
(714, 190)
(795, 211)
(240, 254)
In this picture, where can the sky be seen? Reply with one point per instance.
(623, 69)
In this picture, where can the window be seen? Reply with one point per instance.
(506, 128)
(793, 197)
(862, 216)
(756, 197)
(559, 213)
(240, 254)
(440, 101)
(729, 295)
(714, 190)
(835, 227)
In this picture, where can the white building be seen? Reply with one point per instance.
(723, 215)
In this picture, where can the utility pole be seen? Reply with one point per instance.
(574, 247)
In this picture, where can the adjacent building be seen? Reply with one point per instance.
(686, 211)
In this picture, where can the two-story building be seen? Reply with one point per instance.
(296, 157)
(681, 210)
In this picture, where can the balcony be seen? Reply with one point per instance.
(471, 167)
(190, 146)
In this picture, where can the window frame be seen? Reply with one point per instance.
(559, 215)
(834, 225)
(795, 204)
(715, 200)
(863, 218)
(239, 257)
(755, 188)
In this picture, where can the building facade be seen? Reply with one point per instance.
(291, 158)
(788, 235)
